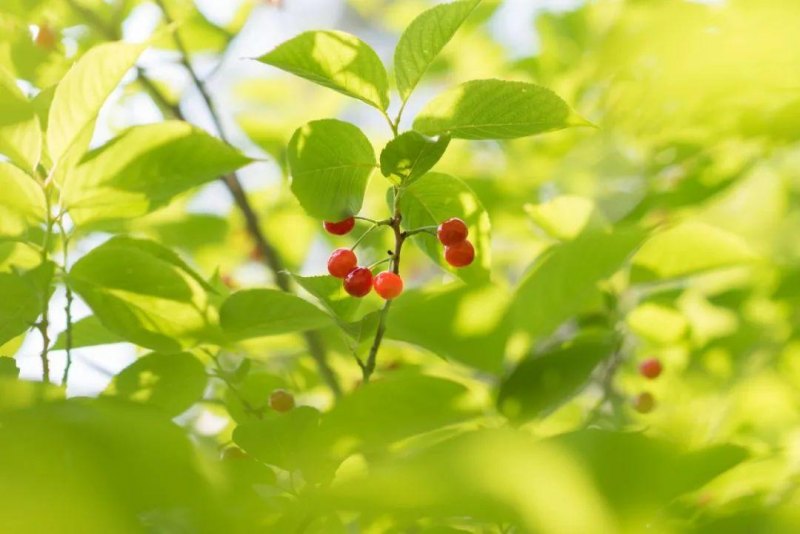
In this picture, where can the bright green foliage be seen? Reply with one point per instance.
(170, 382)
(20, 133)
(462, 323)
(143, 169)
(410, 155)
(21, 304)
(438, 197)
(22, 203)
(328, 290)
(80, 95)
(504, 397)
(336, 60)
(562, 280)
(541, 383)
(687, 249)
(267, 312)
(424, 38)
(495, 109)
(87, 332)
(145, 294)
(330, 162)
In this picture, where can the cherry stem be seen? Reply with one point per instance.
(365, 234)
(422, 229)
(384, 260)
(399, 237)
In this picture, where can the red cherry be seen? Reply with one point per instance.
(644, 402)
(341, 227)
(452, 231)
(460, 254)
(341, 262)
(388, 285)
(651, 368)
(281, 400)
(358, 282)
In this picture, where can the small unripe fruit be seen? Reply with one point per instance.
(341, 227)
(460, 254)
(452, 231)
(651, 368)
(358, 282)
(388, 285)
(281, 400)
(234, 453)
(341, 262)
(644, 402)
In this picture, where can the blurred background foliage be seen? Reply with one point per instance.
(667, 231)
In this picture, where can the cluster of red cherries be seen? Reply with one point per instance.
(358, 281)
(651, 369)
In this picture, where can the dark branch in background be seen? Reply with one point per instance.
(68, 305)
(266, 251)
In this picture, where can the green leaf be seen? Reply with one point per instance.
(23, 299)
(411, 155)
(331, 294)
(567, 216)
(170, 382)
(20, 133)
(542, 383)
(8, 367)
(688, 249)
(87, 332)
(284, 440)
(409, 403)
(639, 474)
(336, 60)
(22, 202)
(144, 293)
(495, 109)
(491, 475)
(437, 197)
(465, 323)
(268, 312)
(143, 169)
(563, 279)
(330, 162)
(83, 90)
(423, 39)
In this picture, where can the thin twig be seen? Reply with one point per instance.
(369, 367)
(68, 305)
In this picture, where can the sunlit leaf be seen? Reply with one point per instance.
(495, 109)
(170, 382)
(145, 294)
(330, 162)
(336, 60)
(143, 169)
(687, 249)
(564, 277)
(410, 155)
(268, 312)
(424, 38)
(84, 89)
(87, 332)
(20, 133)
(22, 202)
